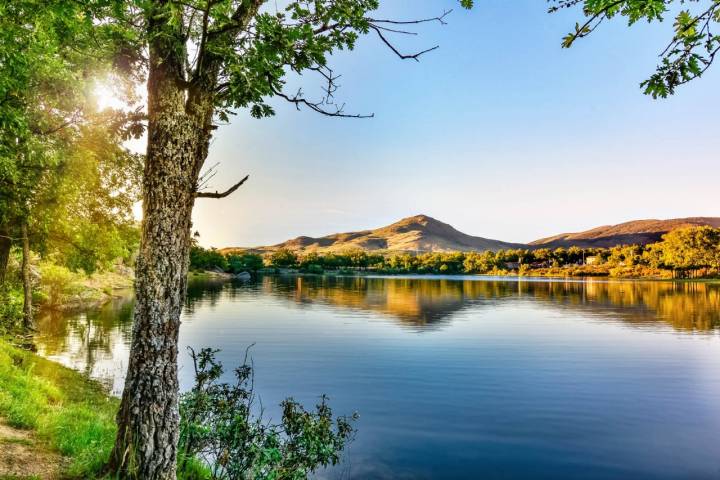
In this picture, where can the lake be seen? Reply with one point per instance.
(461, 377)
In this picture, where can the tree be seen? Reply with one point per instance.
(42, 81)
(283, 258)
(687, 55)
(205, 58)
(691, 248)
(246, 262)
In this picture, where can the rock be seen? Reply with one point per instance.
(244, 276)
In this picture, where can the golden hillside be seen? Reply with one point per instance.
(419, 233)
(635, 232)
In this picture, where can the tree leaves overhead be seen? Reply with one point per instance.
(240, 52)
(687, 56)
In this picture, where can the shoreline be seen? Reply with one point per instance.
(488, 276)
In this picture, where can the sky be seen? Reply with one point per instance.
(499, 132)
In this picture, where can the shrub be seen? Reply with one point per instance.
(218, 427)
(283, 258)
(57, 282)
(314, 268)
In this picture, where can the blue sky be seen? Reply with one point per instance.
(499, 132)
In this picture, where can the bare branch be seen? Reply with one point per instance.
(403, 56)
(440, 19)
(298, 100)
(222, 194)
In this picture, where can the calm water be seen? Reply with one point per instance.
(463, 377)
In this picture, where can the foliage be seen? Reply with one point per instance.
(246, 262)
(76, 417)
(62, 169)
(218, 426)
(58, 282)
(202, 259)
(681, 250)
(283, 258)
(86, 221)
(11, 306)
(688, 54)
(689, 248)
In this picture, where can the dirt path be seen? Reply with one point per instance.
(22, 456)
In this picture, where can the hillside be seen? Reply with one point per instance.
(426, 234)
(634, 232)
(418, 233)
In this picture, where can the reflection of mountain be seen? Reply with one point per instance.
(412, 301)
(97, 341)
(423, 303)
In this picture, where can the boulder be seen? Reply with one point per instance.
(244, 276)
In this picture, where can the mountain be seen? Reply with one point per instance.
(634, 232)
(425, 234)
(419, 233)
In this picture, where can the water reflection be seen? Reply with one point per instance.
(92, 341)
(461, 377)
(429, 302)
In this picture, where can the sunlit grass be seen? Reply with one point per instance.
(70, 413)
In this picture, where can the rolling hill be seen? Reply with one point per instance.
(634, 232)
(422, 233)
(419, 233)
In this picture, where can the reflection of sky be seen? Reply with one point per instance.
(499, 385)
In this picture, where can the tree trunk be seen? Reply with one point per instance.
(27, 285)
(148, 421)
(5, 244)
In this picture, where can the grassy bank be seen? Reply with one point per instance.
(69, 413)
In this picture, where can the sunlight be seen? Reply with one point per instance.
(107, 95)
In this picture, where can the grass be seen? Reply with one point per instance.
(71, 414)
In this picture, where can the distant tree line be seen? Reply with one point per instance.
(686, 252)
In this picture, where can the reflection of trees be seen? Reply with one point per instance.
(210, 291)
(85, 339)
(88, 341)
(422, 302)
(414, 302)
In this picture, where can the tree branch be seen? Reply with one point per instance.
(403, 56)
(222, 194)
(298, 100)
(440, 19)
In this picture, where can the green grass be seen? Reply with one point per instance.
(70, 413)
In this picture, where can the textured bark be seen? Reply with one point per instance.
(178, 139)
(27, 285)
(5, 244)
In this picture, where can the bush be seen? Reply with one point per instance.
(218, 427)
(313, 268)
(247, 262)
(283, 258)
(11, 306)
(202, 259)
(57, 283)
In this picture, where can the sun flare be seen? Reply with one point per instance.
(107, 96)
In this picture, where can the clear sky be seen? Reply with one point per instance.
(499, 132)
